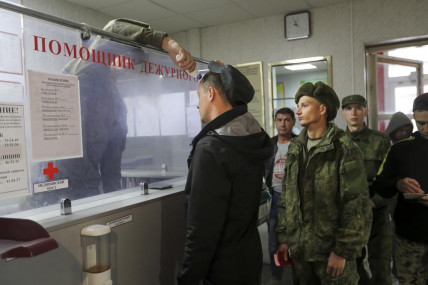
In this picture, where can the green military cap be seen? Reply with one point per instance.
(354, 99)
(323, 93)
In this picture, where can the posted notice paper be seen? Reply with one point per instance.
(55, 116)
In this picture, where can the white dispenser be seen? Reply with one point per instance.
(96, 255)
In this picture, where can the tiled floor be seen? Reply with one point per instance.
(286, 278)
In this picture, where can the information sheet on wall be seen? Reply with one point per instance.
(253, 71)
(55, 116)
(13, 164)
(10, 62)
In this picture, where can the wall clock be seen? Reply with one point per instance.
(297, 25)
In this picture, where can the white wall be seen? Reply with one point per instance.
(340, 31)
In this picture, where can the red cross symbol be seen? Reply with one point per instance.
(50, 171)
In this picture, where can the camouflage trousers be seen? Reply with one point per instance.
(374, 266)
(411, 261)
(314, 273)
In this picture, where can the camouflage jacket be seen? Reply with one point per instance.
(374, 146)
(324, 205)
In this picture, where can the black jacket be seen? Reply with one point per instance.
(407, 158)
(223, 194)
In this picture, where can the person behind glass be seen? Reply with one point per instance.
(404, 171)
(104, 114)
(284, 123)
(324, 211)
(400, 127)
(224, 184)
(374, 146)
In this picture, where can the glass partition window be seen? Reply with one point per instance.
(77, 117)
(286, 77)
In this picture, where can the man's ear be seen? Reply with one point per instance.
(366, 112)
(323, 109)
(212, 92)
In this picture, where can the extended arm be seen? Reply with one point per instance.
(186, 61)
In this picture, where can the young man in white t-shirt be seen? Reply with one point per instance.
(284, 123)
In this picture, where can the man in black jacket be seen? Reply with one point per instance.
(404, 171)
(224, 183)
(284, 123)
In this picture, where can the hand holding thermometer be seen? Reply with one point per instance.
(195, 73)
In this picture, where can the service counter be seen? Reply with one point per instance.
(147, 239)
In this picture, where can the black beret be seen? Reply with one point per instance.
(236, 86)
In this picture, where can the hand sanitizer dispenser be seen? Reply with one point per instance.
(96, 255)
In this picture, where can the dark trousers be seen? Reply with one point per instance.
(374, 266)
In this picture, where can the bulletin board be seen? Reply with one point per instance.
(254, 72)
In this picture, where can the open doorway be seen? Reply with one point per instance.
(395, 76)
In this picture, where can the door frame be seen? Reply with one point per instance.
(372, 59)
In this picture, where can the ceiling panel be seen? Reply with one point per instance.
(141, 10)
(325, 3)
(174, 24)
(187, 6)
(220, 15)
(271, 7)
(97, 4)
(180, 15)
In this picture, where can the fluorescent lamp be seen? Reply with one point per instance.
(302, 66)
(301, 60)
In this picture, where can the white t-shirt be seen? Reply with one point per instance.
(279, 165)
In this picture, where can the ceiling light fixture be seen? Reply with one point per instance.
(303, 66)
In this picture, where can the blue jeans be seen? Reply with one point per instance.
(276, 271)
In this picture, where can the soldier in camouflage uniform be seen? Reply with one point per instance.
(375, 146)
(324, 213)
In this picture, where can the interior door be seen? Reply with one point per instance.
(392, 85)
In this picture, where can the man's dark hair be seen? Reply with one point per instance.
(421, 103)
(213, 79)
(285, 111)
